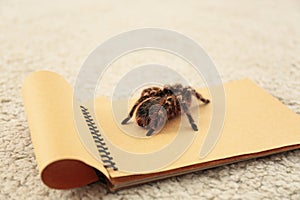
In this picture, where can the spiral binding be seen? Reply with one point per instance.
(99, 141)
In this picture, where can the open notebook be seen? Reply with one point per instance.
(68, 155)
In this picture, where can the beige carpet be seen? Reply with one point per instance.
(255, 39)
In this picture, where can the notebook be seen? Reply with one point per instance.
(73, 145)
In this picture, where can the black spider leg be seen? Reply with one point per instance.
(162, 103)
(188, 114)
(150, 132)
(133, 109)
(199, 96)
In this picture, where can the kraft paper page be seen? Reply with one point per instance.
(255, 122)
(48, 100)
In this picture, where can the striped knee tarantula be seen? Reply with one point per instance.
(157, 105)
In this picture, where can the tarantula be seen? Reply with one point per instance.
(157, 105)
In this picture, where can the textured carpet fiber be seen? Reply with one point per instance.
(255, 39)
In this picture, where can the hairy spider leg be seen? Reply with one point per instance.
(153, 91)
(150, 132)
(189, 116)
(146, 93)
(157, 121)
(140, 100)
(199, 96)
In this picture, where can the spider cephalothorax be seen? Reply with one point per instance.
(157, 105)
